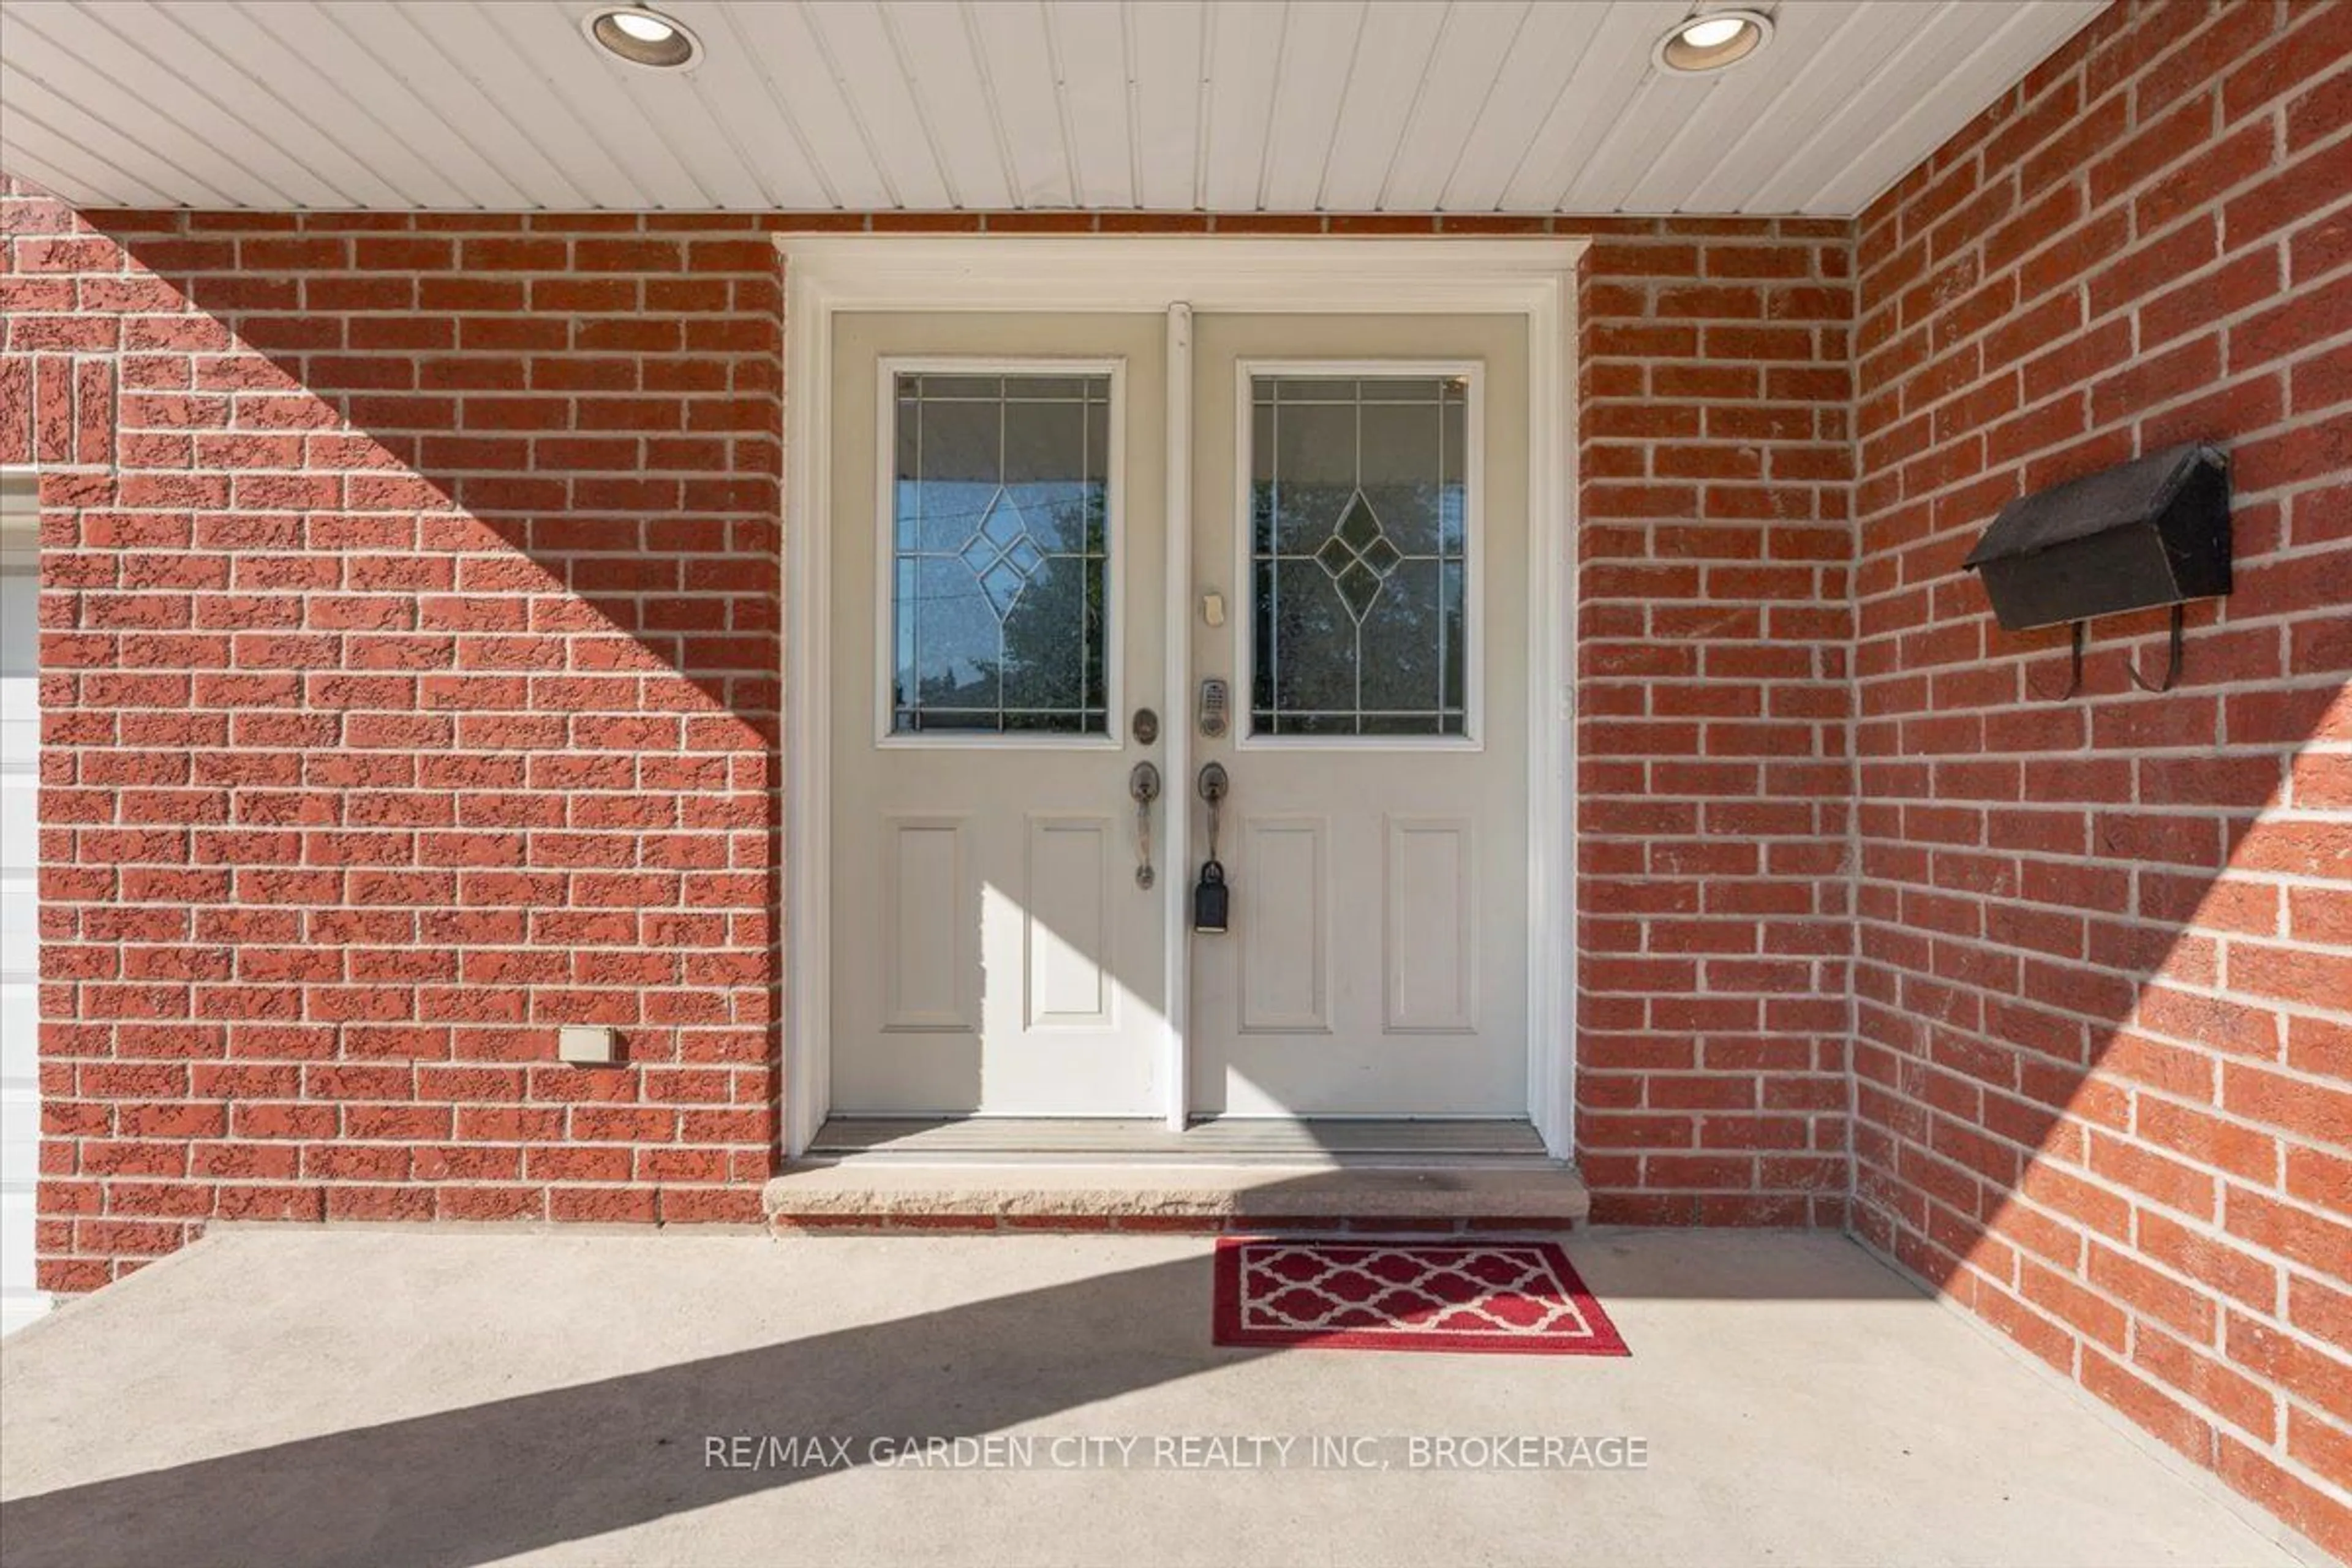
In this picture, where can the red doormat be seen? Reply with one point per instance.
(1512, 1297)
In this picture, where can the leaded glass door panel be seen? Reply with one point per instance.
(997, 589)
(1361, 503)
(1359, 550)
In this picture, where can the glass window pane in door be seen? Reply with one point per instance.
(999, 537)
(1359, 555)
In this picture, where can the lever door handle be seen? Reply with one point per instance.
(1143, 788)
(1211, 900)
(1212, 783)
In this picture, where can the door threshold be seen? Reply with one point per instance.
(1333, 1142)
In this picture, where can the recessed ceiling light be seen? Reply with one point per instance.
(643, 37)
(1712, 40)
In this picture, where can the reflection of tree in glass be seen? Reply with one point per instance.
(1321, 669)
(1039, 666)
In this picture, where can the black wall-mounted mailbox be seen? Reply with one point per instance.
(2144, 534)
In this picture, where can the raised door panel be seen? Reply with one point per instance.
(930, 924)
(1067, 937)
(1281, 925)
(1430, 960)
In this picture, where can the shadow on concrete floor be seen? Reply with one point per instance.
(283, 1395)
(476, 1484)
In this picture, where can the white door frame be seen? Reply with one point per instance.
(1174, 277)
(21, 1300)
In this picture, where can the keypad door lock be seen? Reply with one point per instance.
(1216, 697)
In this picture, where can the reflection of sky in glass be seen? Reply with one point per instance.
(998, 529)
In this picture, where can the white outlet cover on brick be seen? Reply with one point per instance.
(584, 1043)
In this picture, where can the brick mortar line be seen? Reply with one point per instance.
(2280, 620)
(2123, 202)
(2283, 1269)
(2236, 997)
(2287, 490)
(2272, 1189)
(2288, 880)
(2125, 88)
(1850, 749)
(2081, 1341)
(2068, 1380)
(2283, 1008)
(2211, 1108)
(1962, 188)
(2215, 1055)
(2278, 240)
(2080, 1278)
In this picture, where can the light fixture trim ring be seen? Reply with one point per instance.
(1675, 52)
(677, 48)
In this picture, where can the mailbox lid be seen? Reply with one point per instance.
(2150, 532)
(2141, 491)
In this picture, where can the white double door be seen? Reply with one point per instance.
(1002, 599)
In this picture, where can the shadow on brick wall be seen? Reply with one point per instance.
(411, 685)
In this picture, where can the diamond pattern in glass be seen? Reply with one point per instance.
(1358, 557)
(1001, 553)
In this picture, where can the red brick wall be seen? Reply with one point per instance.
(412, 623)
(410, 685)
(2103, 985)
(1713, 704)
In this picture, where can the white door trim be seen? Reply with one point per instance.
(1176, 724)
(20, 1300)
(825, 274)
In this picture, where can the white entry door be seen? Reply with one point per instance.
(998, 562)
(1000, 599)
(1361, 500)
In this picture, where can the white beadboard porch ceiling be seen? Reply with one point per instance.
(1409, 106)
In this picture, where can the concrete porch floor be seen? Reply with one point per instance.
(391, 1395)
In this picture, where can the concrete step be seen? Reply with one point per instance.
(883, 1193)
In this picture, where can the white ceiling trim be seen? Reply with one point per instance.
(1458, 106)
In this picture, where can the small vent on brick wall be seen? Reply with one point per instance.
(2149, 532)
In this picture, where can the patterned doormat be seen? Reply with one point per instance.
(1510, 1297)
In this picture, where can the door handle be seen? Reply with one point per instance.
(1212, 783)
(1143, 788)
(1210, 898)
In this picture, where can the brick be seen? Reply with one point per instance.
(2312, 1111)
(2315, 182)
(2148, 1407)
(2306, 1372)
